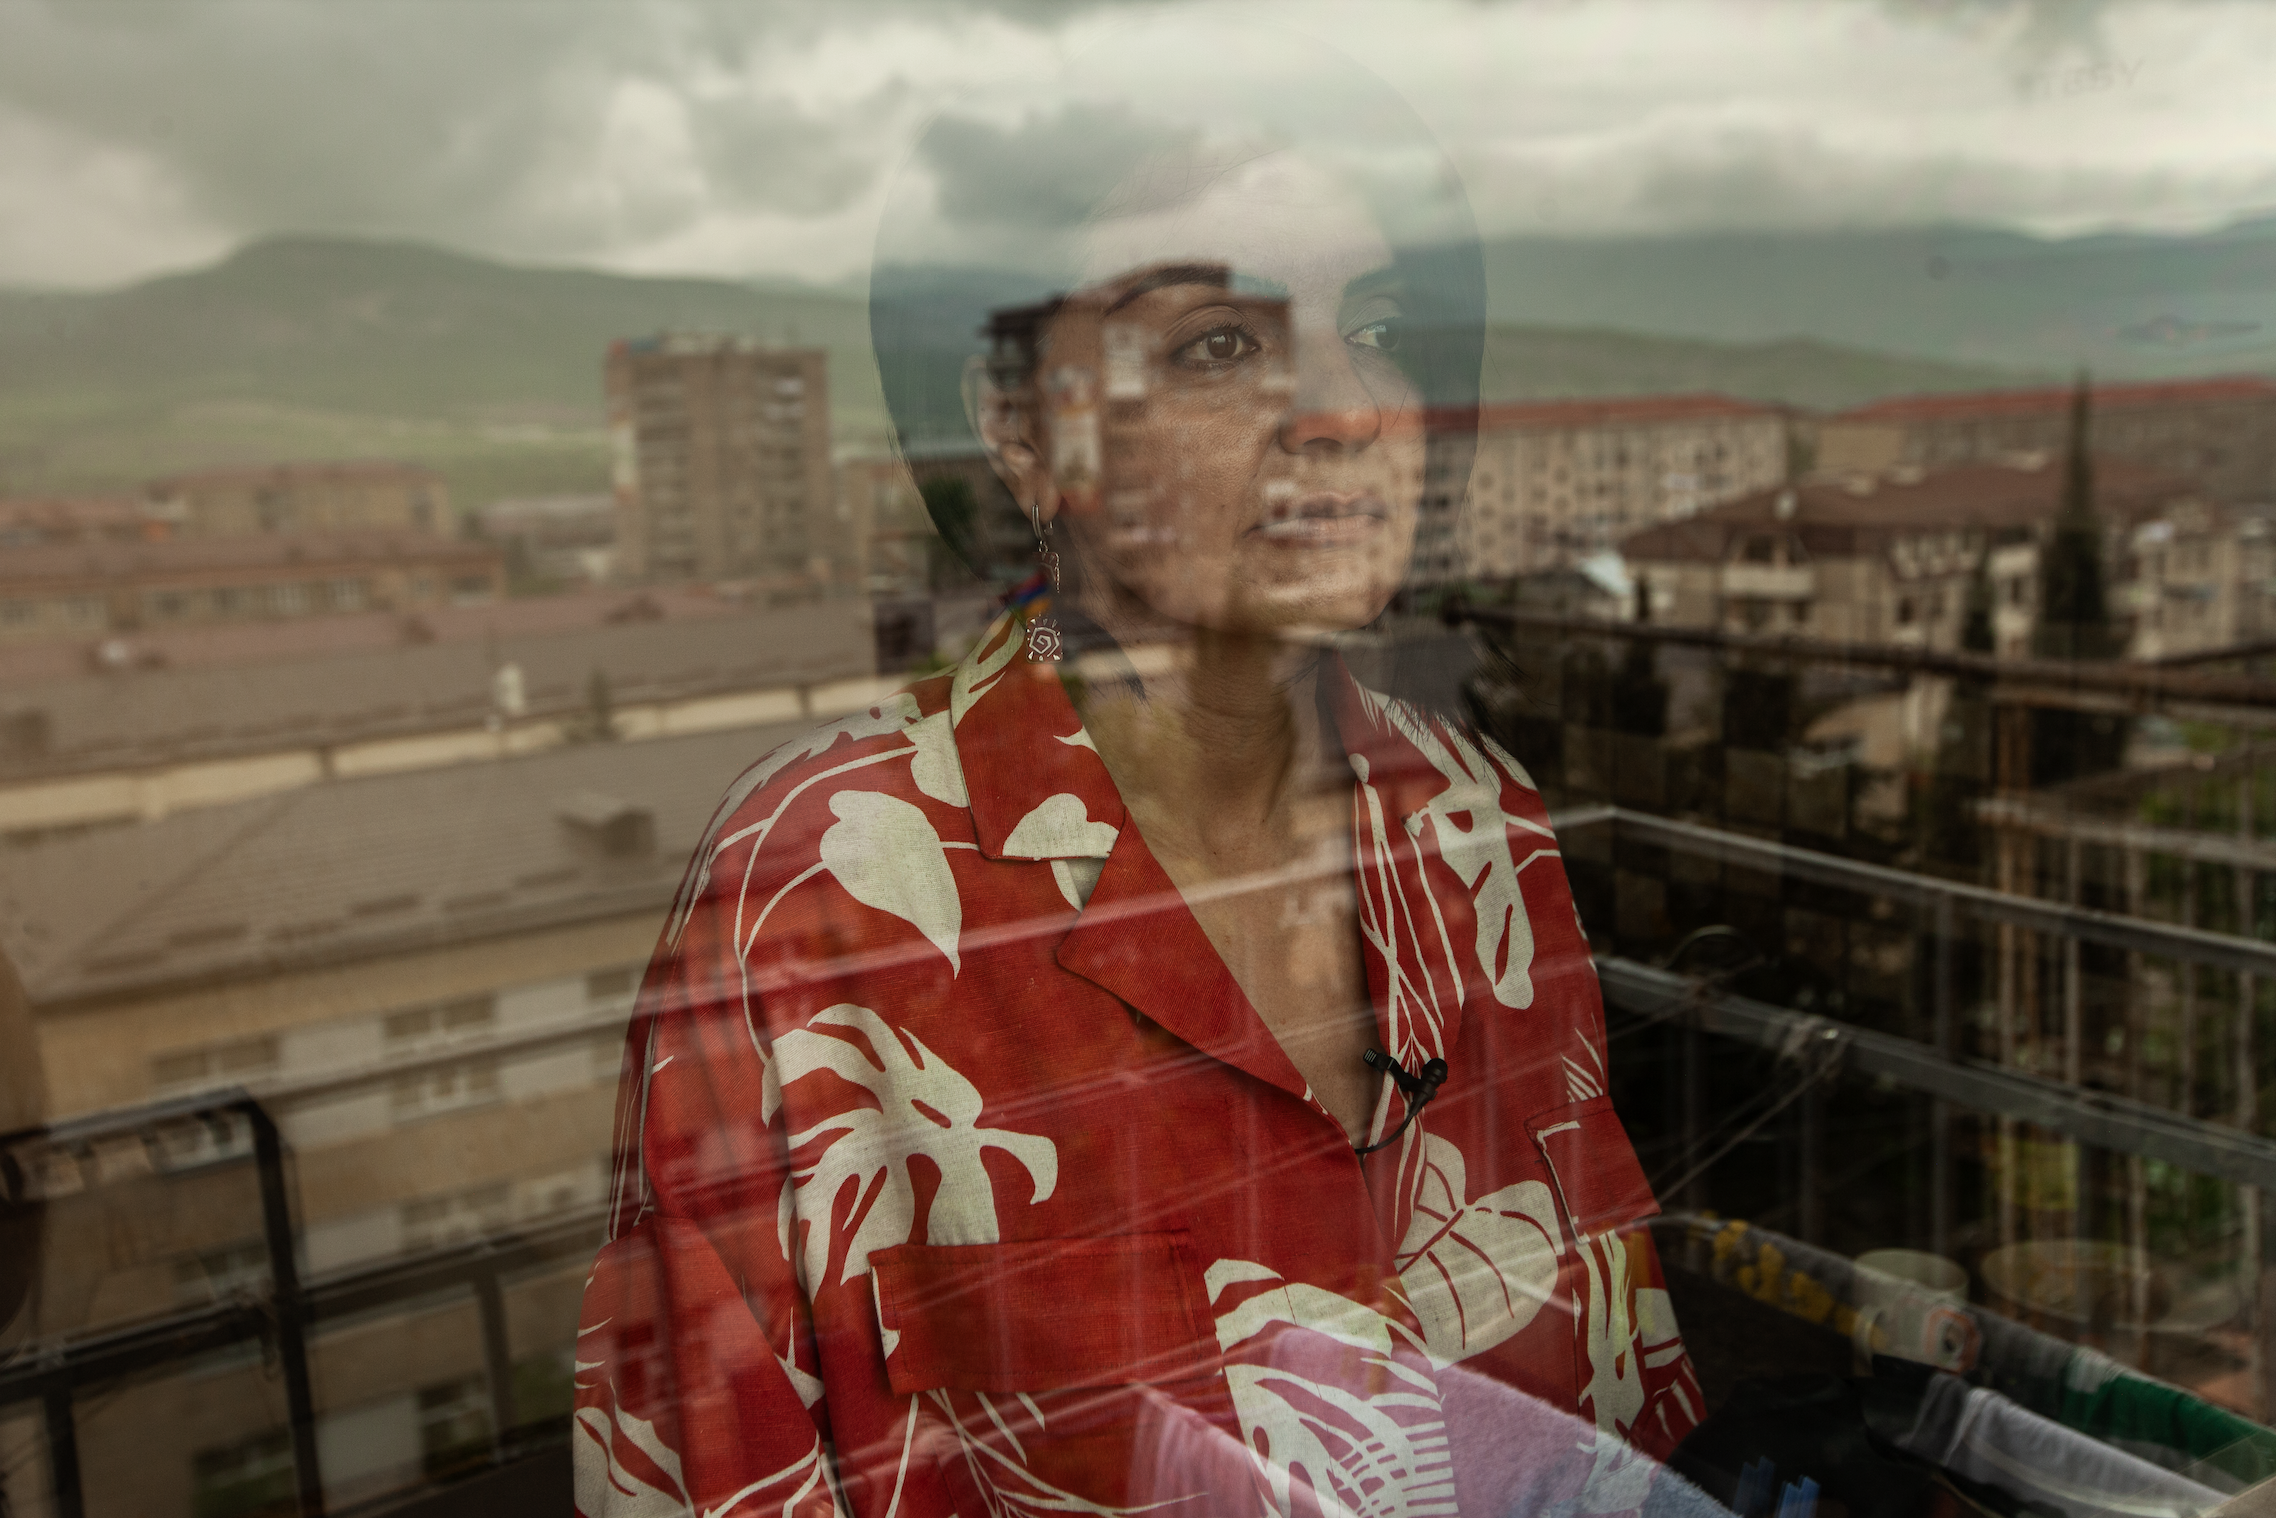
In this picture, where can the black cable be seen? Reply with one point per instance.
(1417, 1089)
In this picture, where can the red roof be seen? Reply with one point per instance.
(1842, 516)
(1615, 411)
(1926, 408)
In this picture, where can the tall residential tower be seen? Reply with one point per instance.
(722, 462)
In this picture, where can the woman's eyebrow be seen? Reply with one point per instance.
(1384, 280)
(1212, 275)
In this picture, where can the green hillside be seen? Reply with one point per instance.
(322, 348)
(310, 348)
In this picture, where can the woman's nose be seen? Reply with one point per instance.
(1332, 409)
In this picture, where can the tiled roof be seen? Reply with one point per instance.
(1985, 403)
(1618, 411)
(1836, 516)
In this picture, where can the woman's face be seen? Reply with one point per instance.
(1259, 461)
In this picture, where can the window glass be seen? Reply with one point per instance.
(1187, 759)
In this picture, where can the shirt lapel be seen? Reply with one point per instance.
(1038, 790)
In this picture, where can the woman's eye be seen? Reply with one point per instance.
(1221, 345)
(1382, 335)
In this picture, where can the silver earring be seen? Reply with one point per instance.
(1043, 639)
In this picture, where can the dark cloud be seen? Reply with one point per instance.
(1047, 172)
(476, 124)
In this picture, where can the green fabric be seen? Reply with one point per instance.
(2129, 1410)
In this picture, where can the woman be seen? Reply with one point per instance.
(1144, 1068)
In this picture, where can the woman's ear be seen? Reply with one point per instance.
(1006, 427)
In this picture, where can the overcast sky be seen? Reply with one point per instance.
(751, 139)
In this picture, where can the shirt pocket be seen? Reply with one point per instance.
(1599, 1183)
(1043, 1315)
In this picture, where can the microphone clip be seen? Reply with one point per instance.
(1418, 1088)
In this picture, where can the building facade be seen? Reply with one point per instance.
(1891, 559)
(2218, 433)
(1557, 481)
(722, 462)
(86, 590)
(434, 1018)
(357, 496)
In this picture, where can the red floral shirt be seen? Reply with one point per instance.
(956, 1174)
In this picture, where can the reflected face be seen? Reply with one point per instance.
(1258, 455)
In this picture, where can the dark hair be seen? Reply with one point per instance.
(1009, 201)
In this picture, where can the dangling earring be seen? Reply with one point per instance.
(1043, 640)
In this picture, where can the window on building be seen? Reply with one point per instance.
(460, 1217)
(224, 1063)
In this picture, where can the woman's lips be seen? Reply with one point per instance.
(1323, 520)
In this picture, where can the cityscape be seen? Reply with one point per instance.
(378, 638)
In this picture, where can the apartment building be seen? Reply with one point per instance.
(34, 521)
(2219, 433)
(424, 978)
(1557, 481)
(96, 589)
(722, 463)
(1889, 558)
(358, 495)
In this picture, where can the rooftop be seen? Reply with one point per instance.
(261, 688)
(1618, 411)
(110, 560)
(1922, 408)
(387, 864)
(1838, 516)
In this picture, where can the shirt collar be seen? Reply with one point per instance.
(1039, 790)
(1036, 785)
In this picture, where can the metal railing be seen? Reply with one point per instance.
(283, 1317)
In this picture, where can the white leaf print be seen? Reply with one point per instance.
(884, 851)
(1414, 1007)
(1077, 878)
(935, 767)
(1475, 1270)
(1366, 1444)
(890, 715)
(1480, 854)
(1615, 1389)
(924, 1107)
(609, 1488)
(983, 667)
(1478, 849)
(1059, 828)
(1007, 1487)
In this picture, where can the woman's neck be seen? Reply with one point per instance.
(1219, 736)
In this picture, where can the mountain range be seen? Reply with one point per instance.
(300, 347)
